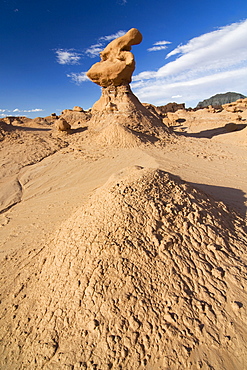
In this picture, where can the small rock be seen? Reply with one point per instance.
(230, 127)
(78, 109)
(62, 125)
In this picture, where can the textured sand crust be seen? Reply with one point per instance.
(111, 262)
(115, 135)
(149, 274)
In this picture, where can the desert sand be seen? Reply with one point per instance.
(123, 237)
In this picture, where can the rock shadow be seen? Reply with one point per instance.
(233, 198)
(180, 120)
(145, 138)
(26, 128)
(209, 134)
(77, 130)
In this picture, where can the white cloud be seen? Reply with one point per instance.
(193, 90)
(159, 45)
(113, 36)
(67, 57)
(78, 78)
(94, 50)
(217, 58)
(162, 42)
(33, 110)
(156, 48)
(17, 110)
(227, 35)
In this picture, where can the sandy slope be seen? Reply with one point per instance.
(45, 193)
(46, 177)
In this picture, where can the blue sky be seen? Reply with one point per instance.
(190, 51)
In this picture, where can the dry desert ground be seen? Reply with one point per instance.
(121, 249)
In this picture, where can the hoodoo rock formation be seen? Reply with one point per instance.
(118, 105)
(117, 62)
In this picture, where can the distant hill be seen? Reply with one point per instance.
(220, 99)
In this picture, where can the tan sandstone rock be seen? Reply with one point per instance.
(172, 117)
(62, 125)
(75, 117)
(77, 109)
(117, 103)
(171, 107)
(239, 105)
(13, 120)
(117, 62)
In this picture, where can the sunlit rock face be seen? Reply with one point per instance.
(117, 62)
(118, 109)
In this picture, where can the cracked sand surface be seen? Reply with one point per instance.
(155, 280)
(141, 271)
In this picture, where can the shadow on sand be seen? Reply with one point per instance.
(26, 128)
(79, 129)
(232, 198)
(208, 134)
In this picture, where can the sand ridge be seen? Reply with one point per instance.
(155, 280)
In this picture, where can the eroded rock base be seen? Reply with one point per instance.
(118, 104)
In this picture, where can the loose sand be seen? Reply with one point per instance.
(141, 271)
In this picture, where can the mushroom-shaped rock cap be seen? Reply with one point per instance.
(117, 62)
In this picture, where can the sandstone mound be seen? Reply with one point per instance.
(116, 135)
(161, 111)
(41, 120)
(171, 107)
(148, 275)
(4, 129)
(119, 104)
(78, 109)
(75, 117)
(154, 110)
(238, 106)
(14, 119)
